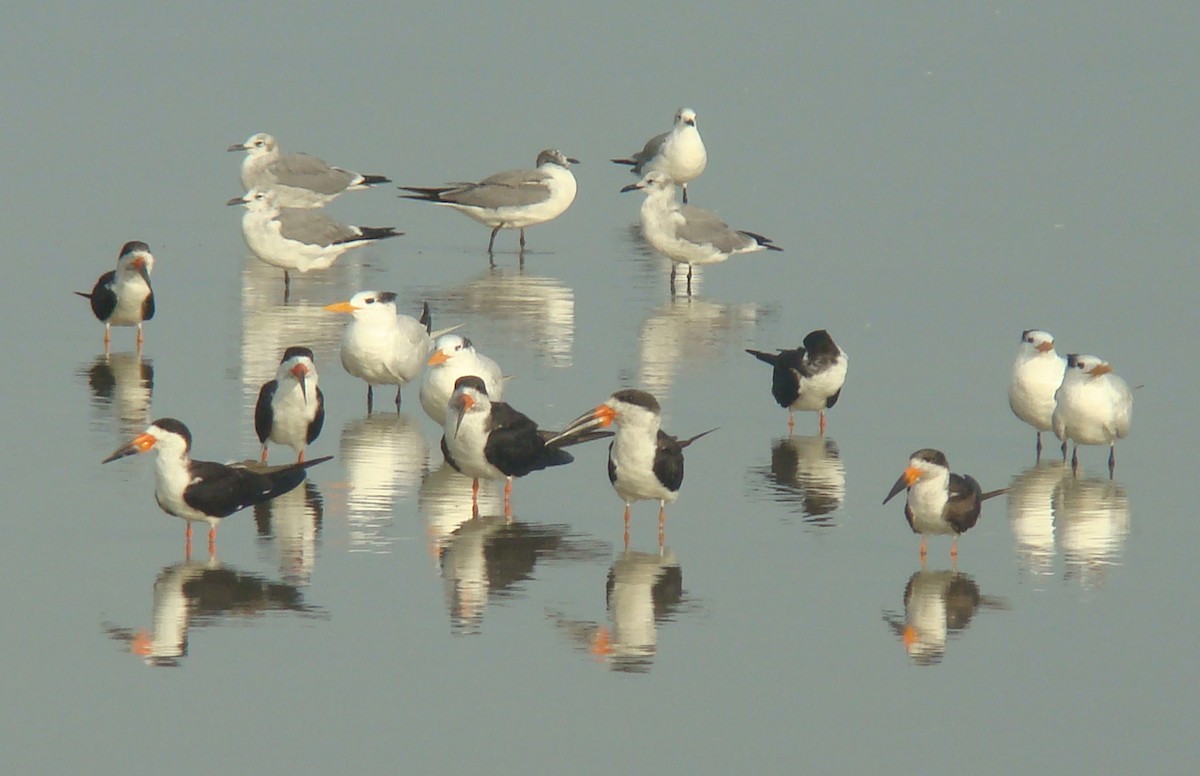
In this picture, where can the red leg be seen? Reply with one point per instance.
(954, 548)
(924, 549)
(627, 526)
(263, 457)
(822, 423)
(662, 524)
(791, 422)
(212, 541)
(299, 459)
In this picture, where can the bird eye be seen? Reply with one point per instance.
(371, 300)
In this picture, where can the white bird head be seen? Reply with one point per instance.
(655, 182)
(923, 464)
(1083, 366)
(169, 436)
(257, 199)
(470, 396)
(368, 306)
(298, 365)
(1037, 341)
(447, 346)
(685, 116)
(259, 144)
(135, 258)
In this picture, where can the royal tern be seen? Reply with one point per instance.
(1036, 375)
(380, 346)
(644, 462)
(513, 199)
(291, 408)
(204, 491)
(939, 502)
(1092, 407)
(490, 440)
(687, 234)
(123, 297)
(453, 357)
(298, 238)
(299, 180)
(809, 377)
(679, 153)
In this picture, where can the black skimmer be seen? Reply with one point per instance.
(380, 346)
(679, 153)
(513, 199)
(1036, 375)
(1092, 407)
(453, 357)
(204, 491)
(123, 297)
(807, 378)
(644, 462)
(300, 180)
(490, 440)
(291, 408)
(939, 502)
(686, 234)
(298, 238)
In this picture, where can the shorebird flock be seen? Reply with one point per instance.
(1078, 397)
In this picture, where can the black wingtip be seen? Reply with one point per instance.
(686, 442)
(426, 318)
(83, 294)
(766, 358)
(372, 180)
(626, 162)
(993, 494)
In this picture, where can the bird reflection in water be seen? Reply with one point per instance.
(196, 594)
(444, 498)
(538, 312)
(643, 590)
(806, 475)
(291, 523)
(122, 383)
(384, 457)
(937, 606)
(1092, 520)
(270, 328)
(490, 557)
(691, 331)
(1031, 515)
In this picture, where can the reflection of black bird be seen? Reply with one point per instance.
(808, 467)
(123, 297)
(124, 382)
(204, 491)
(937, 604)
(195, 593)
(807, 378)
(490, 556)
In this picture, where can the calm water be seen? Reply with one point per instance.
(940, 180)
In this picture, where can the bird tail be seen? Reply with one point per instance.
(993, 494)
(83, 294)
(626, 162)
(766, 358)
(371, 180)
(377, 232)
(426, 319)
(762, 240)
(426, 194)
(685, 442)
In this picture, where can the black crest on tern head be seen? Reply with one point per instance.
(295, 351)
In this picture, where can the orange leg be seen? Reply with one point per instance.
(924, 549)
(140, 338)
(212, 541)
(263, 457)
(627, 526)
(107, 337)
(822, 423)
(508, 497)
(791, 422)
(300, 458)
(475, 493)
(662, 524)
(954, 548)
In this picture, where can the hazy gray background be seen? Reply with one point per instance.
(940, 177)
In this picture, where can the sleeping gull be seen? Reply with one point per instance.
(687, 234)
(679, 153)
(301, 180)
(513, 199)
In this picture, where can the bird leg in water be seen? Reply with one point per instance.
(822, 422)
(662, 524)
(263, 456)
(1112, 459)
(397, 398)
(492, 241)
(370, 399)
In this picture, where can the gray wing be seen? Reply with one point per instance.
(706, 227)
(313, 227)
(512, 188)
(308, 172)
(649, 151)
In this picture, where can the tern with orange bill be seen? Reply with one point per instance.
(807, 378)
(1036, 375)
(644, 462)
(205, 491)
(291, 408)
(939, 502)
(490, 440)
(455, 356)
(1093, 406)
(123, 297)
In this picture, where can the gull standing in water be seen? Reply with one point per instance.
(298, 238)
(299, 180)
(679, 153)
(686, 234)
(123, 297)
(1092, 407)
(513, 199)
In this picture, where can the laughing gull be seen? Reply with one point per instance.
(301, 180)
(513, 199)
(298, 238)
(687, 234)
(679, 153)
